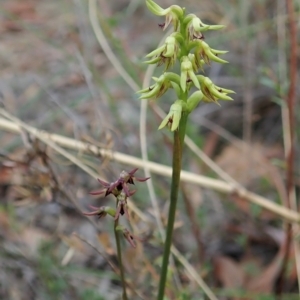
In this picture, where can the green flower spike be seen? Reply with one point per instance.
(187, 72)
(174, 115)
(211, 92)
(173, 13)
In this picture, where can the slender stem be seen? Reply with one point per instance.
(290, 147)
(119, 252)
(177, 157)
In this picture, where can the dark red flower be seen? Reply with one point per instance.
(120, 190)
(109, 188)
(120, 184)
(129, 176)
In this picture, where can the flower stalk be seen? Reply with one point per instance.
(120, 190)
(176, 166)
(119, 254)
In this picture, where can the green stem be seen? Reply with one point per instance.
(119, 252)
(177, 158)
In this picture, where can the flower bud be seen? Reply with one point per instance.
(176, 88)
(194, 100)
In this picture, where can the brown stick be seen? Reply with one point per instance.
(290, 157)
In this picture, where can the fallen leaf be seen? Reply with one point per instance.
(228, 272)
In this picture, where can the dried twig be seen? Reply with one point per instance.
(217, 185)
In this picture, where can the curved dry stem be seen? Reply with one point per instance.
(53, 140)
(191, 272)
(106, 48)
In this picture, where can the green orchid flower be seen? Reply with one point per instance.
(173, 117)
(203, 51)
(165, 54)
(173, 14)
(211, 92)
(187, 72)
(162, 84)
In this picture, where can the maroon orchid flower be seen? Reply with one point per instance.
(120, 184)
(120, 190)
(128, 177)
(109, 188)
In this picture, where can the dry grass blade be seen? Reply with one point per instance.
(193, 274)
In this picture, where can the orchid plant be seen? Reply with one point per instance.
(185, 46)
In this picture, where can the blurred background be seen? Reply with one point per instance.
(73, 68)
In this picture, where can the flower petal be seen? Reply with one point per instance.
(99, 192)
